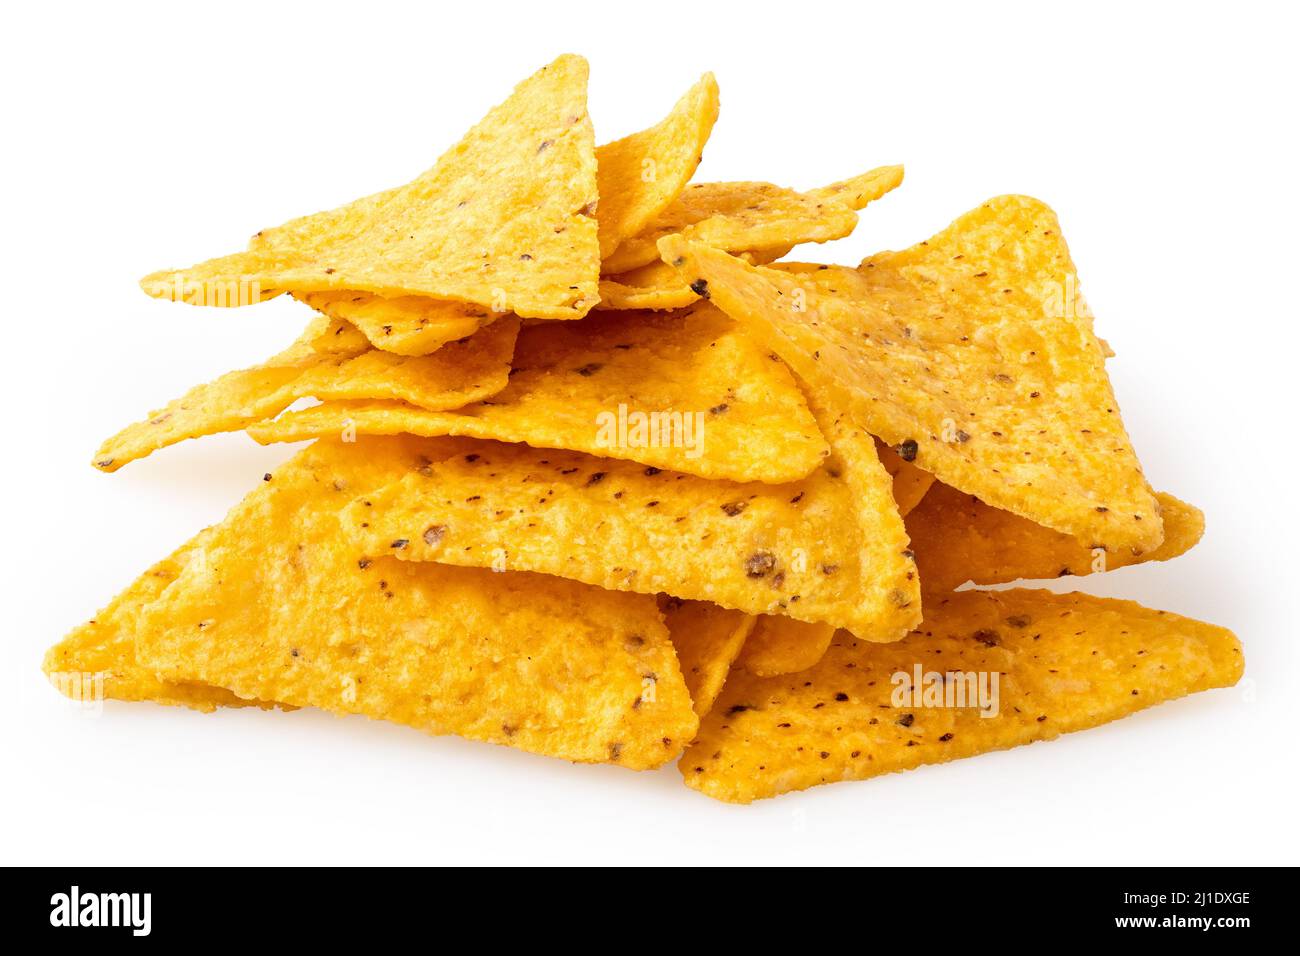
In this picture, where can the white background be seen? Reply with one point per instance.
(1164, 138)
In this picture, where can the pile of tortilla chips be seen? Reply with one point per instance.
(597, 472)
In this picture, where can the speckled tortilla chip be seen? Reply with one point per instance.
(957, 538)
(462, 372)
(782, 645)
(973, 355)
(100, 654)
(609, 385)
(748, 216)
(830, 548)
(654, 286)
(284, 608)
(910, 482)
(1065, 663)
(641, 174)
(707, 638)
(505, 220)
(406, 325)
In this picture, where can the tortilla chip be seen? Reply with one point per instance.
(781, 645)
(739, 217)
(961, 359)
(654, 286)
(957, 538)
(641, 174)
(98, 658)
(910, 482)
(830, 548)
(462, 372)
(707, 638)
(1065, 663)
(609, 386)
(504, 220)
(406, 325)
(283, 608)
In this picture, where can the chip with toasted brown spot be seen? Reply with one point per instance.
(687, 391)
(830, 548)
(910, 482)
(973, 356)
(1061, 663)
(284, 608)
(957, 538)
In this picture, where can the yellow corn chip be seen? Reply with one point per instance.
(973, 356)
(687, 391)
(641, 174)
(1063, 663)
(910, 482)
(654, 286)
(957, 538)
(462, 372)
(407, 325)
(830, 548)
(781, 645)
(283, 608)
(504, 220)
(707, 638)
(97, 660)
(739, 217)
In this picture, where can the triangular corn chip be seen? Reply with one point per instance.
(748, 216)
(504, 220)
(407, 325)
(829, 548)
(462, 372)
(283, 608)
(655, 286)
(1063, 663)
(957, 538)
(641, 174)
(972, 356)
(910, 482)
(707, 638)
(686, 391)
(97, 660)
(782, 645)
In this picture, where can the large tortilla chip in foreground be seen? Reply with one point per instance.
(973, 356)
(957, 538)
(688, 391)
(708, 639)
(641, 174)
(1065, 663)
(750, 216)
(782, 645)
(827, 549)
(100, 654)
(282, 608)
(317, 367)
(505, 220)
